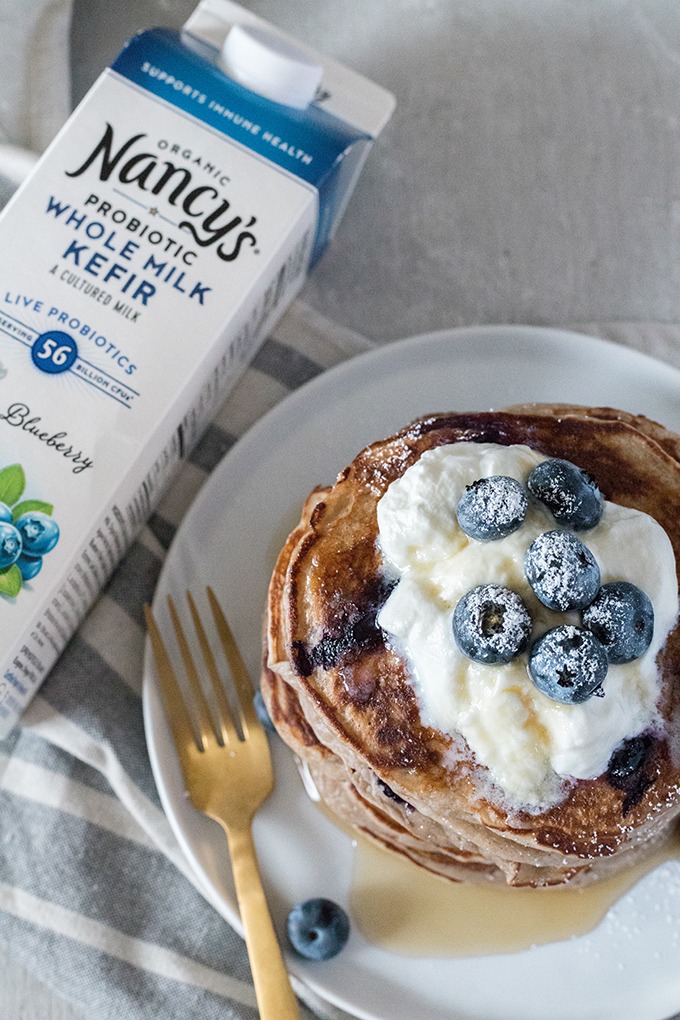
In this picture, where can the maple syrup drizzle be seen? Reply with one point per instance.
(405, 909)
(400, 907)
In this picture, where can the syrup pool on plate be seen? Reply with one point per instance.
(400, 907)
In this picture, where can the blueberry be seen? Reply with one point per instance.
(10, 544)
(262, 713)
(568, 664)
(29, 566)
(491, 624)
(621, 616)
(39, 531)
(317, 929)
(5, 513)
(562, 571)
(492, 508)
(570, 493)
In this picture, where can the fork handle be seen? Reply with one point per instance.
(275, 998)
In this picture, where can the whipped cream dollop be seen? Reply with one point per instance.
(529, 743)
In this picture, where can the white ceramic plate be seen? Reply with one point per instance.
(628, 968)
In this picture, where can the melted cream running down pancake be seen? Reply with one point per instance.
(342, 698)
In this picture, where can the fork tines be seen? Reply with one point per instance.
(212, 719)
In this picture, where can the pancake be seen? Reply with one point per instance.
(342, 694)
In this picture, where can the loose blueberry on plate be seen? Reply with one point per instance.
(491, 624)
(10, 544)
(562, 571)
(492, 508)
(39, 532)
(621, 616)
(568, 664)
(317, 929)
(571, 495)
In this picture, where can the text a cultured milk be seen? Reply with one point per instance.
(142, 263)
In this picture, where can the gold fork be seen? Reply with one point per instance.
(227, 776)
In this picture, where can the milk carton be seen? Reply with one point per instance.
(145, 259)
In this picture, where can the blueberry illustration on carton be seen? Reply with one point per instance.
(28, 532)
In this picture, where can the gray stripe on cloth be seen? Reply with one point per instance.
(286, 365)
(101, 985)
(211, 448)
(30, 748)
(7, 189)
(134, 581)
(117, 882)
(103, 706)
(163, 530)
(10, 743)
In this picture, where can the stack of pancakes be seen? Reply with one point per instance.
(343, 700)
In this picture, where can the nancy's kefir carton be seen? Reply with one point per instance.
(142, 263)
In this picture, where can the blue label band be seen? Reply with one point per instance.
(310, 144)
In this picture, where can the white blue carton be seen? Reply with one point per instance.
(142, 263)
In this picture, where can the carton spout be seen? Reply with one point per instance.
(271, 66)
(358, 102)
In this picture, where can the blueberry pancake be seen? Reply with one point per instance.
(472, 642)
